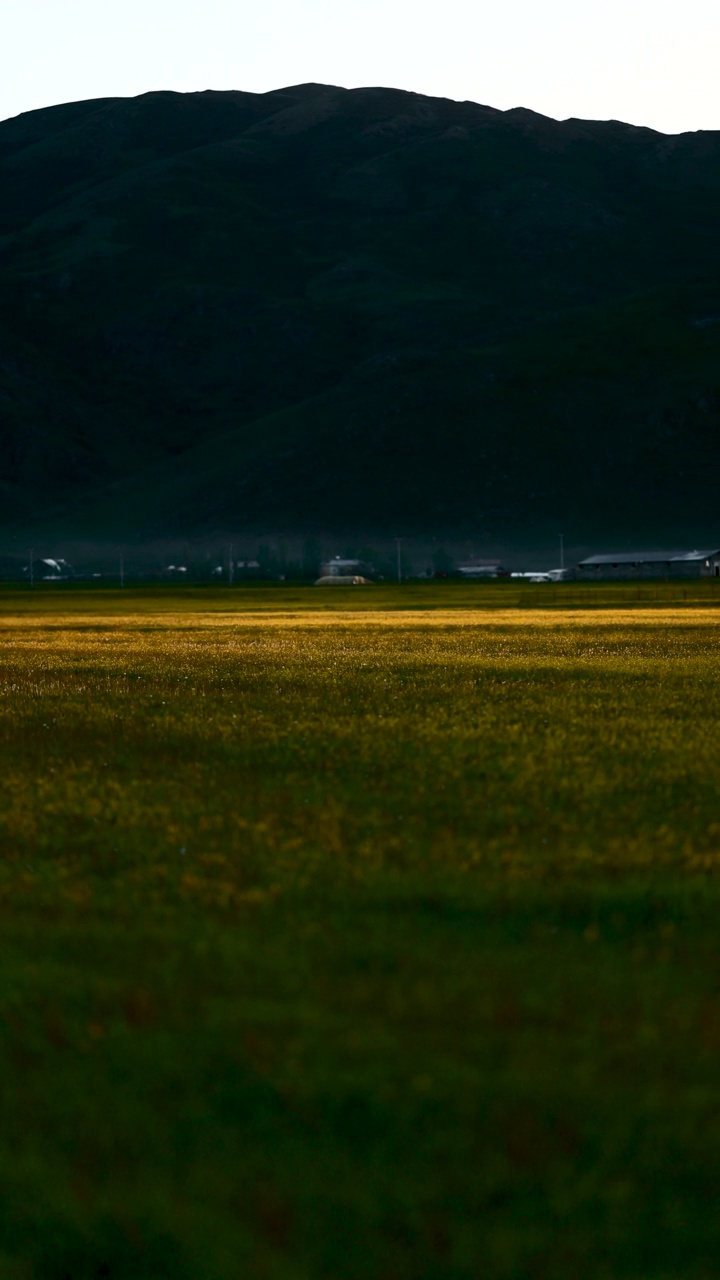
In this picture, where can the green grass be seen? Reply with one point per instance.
(358, 943)
(88, 598)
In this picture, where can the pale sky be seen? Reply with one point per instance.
(648, 62)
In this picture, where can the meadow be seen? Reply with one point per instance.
(359, 935)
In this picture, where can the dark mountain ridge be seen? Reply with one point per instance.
(356, 310)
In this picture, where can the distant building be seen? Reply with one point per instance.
(50, 570)
(343, 580)
(480, 568)
(339, 568)
(651, 564)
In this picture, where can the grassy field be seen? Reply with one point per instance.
(502, 593)
(345, 941)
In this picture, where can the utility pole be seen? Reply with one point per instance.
(231, 567)
(32, 567)
(398, 543)
(122, 568)
(562, 550)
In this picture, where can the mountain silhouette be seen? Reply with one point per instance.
(356, 310)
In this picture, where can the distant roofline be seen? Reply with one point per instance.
(649, 557)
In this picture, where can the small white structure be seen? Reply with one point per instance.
(545, 575)
(339, 568)
(50, 569)
(343, 580)
(347, 573)
(479, 568)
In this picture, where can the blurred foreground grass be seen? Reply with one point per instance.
(372, 944)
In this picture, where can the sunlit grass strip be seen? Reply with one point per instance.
(396, 619)
(152, 756)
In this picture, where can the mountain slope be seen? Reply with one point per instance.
(327, 309)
